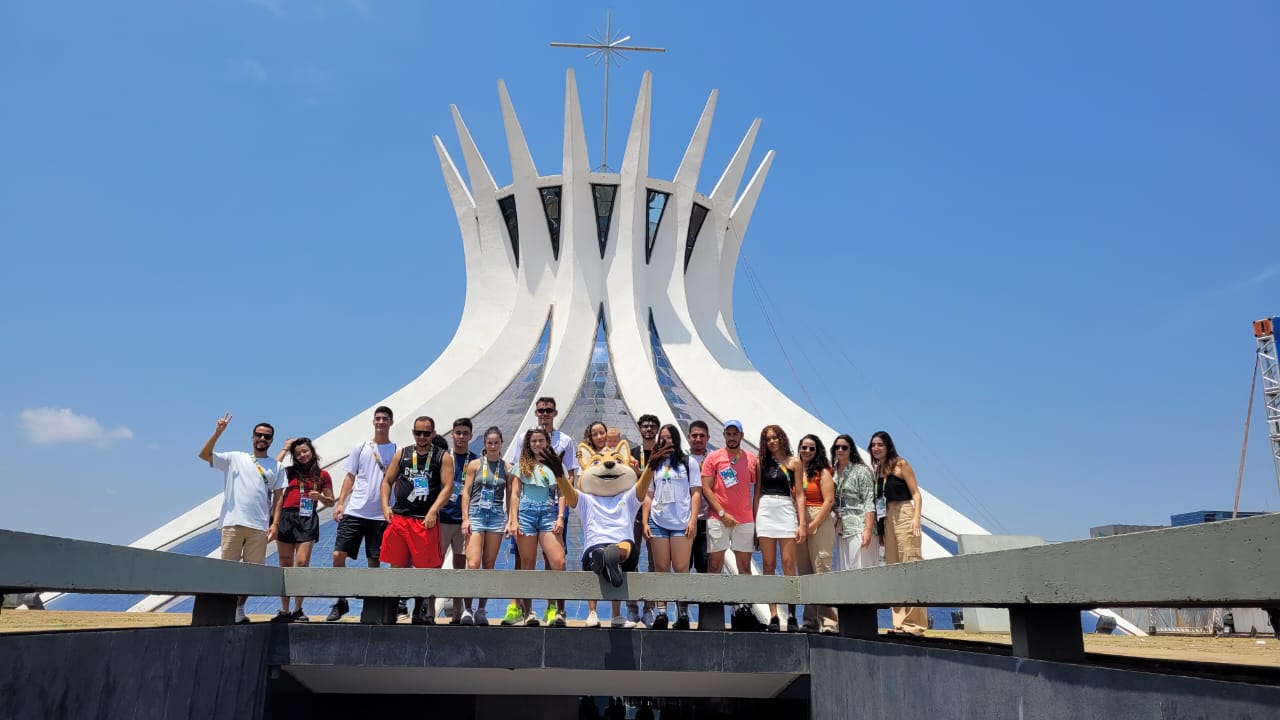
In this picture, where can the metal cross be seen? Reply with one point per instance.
(608, 50)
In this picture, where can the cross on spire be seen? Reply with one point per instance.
(607, 49)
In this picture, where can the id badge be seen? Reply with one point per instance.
(729, 476)
(306, 507)
(881, 508)
(486, 498)
(666, 493)
(421, 487)
(457, 490)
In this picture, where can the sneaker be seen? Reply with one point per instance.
(338, 609)
(402, 608)
(531, 620)
(648, 619)
(482, 617)
(513, 618)
(593, 620)
(774, 625)
(792, 624)
(659, 622)
(682, 622)
(300, 616)
(240, 618)
(619, 621)
(282, 616)
(559, 622)
(551, 616)
(467, 618)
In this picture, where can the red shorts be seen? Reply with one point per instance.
(406, 543)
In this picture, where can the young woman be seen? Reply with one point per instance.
(539, 518)
(487, 511)
(778, 507)
(670, 516)
(814, 554)
(298, 517)
(855, 507)
(899, 496)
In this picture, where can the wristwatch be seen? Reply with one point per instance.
(720, 513)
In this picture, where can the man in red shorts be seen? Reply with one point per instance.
(412, 538)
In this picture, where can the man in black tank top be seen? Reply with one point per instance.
(416, 476)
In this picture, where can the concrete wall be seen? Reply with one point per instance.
(170, 673)
(879, 680)
(984, 619)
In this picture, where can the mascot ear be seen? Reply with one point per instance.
(624, 451)
(585, 452)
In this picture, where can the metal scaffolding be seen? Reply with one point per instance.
(1269, 366)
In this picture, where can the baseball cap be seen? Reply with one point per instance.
(733, 424)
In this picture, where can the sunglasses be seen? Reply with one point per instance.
(840, 447)
(263, 436)
(423, 433)
(808, 449)
(545, 411)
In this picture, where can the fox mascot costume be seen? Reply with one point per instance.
(607, 499)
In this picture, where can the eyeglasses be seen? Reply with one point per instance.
(840, 447)
(262, 436)
(808, 449)
(423, 433)
(545, 411)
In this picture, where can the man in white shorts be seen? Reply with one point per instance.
(728, 487)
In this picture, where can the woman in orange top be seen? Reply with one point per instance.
(815, 554)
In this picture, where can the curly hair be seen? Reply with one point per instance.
(784, 444)
(819, 462)
(528, 463)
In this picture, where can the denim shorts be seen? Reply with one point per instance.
(661, 532)
(536, 517)
(488, 520)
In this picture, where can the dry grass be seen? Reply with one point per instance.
(1262, 651)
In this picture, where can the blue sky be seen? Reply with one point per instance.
(1027, 241)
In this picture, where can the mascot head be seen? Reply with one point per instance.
(605, 473)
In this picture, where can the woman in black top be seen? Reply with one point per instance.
(898, 504)
(778, 508)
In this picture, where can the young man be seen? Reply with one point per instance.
(253, 485)
(452, 534)
(562, 445)
(421, 480)
(648, 425)
(699, 434)
(358, 510)
(728, 487)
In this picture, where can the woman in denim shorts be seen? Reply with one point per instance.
(540, 512)
(670, 516)
(486, 505)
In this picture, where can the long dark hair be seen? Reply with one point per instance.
(677, 456)
(884, 467)
(819, 461)
(586, 434)
(855, 457)
(310, 471)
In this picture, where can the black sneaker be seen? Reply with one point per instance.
(597, 561)
(613, 565)
(559, 621)
(402, 608)
(339, 609)
(682, 622)
(299, 616)
(774, 625)
(282, 616)
(792, 624)
(659, 622)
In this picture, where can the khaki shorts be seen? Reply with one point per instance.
(451, 537)
(741, 539)
(244, 544)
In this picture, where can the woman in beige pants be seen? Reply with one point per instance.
(899, 495)
(815, 553)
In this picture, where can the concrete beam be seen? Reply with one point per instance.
(41, 562)
(1219, 564)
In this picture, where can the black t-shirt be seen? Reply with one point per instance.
(416, 491)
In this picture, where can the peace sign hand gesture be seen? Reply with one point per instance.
(222, 422)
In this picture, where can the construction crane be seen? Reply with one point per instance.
(1269, 366)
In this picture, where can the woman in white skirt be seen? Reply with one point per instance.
(855, 507)
(778, 508)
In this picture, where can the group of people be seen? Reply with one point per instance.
(814, 512)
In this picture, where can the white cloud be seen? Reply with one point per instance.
(250, 69)
(52, 426)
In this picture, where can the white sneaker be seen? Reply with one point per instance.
(467, 618)
(619, 621)
(593, 620)
(482, 617)
(648, 618)
(531, 620)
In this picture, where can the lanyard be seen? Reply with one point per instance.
(415, 462)
(261, 472)
(487, 471)
(377, 457)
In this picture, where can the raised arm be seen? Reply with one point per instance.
(206, 452)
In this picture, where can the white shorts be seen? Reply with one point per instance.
(741, 539)
(776, 517)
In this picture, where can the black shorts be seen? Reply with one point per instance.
(352, 529)
(296, 529)
(628, 565)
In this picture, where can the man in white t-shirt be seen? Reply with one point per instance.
(253, 487)
(562, 445)
(358, 510)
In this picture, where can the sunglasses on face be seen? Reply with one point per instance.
(841, 447)
(807, 449)
(423, 433)
(545, 411)
(263, 436)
